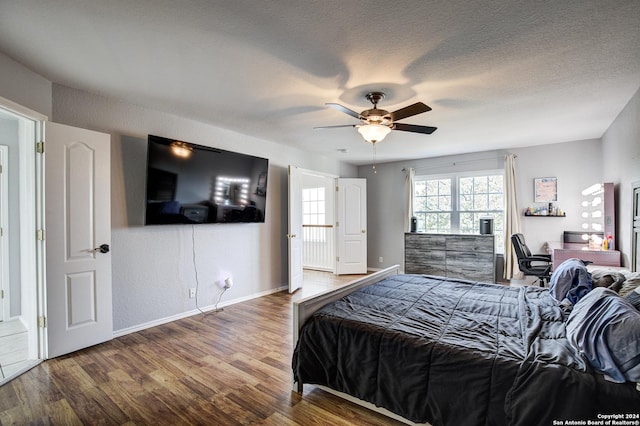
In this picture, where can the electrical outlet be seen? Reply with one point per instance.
(380, 259)
(192, 293)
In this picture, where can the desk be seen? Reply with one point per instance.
(598, 257)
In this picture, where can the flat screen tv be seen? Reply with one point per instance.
(195, 184)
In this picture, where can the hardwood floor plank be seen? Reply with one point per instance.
(251, 399)
(229, 368)
(277, 419)
(345, 410)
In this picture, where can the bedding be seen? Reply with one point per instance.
(606, 330)
(456, 352)
(613, 280)
(631, 283)
(569, 282)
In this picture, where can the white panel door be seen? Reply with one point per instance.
(294, 237)
(78, 224)
(352, 226)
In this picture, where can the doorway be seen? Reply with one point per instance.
(318, 218)
(20, 252)
(327, 224)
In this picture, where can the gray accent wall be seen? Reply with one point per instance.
(153, 266)
(576, 165)
(620, 164)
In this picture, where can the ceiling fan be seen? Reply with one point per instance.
(377, 123)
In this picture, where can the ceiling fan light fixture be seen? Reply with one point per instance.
(373, 132)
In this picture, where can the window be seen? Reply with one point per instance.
(313, 206)
(455, 203)
(432, 205)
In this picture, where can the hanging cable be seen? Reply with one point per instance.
(195, 266)
(219, 298)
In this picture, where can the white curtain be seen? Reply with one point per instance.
(512, 214)
(408, 198)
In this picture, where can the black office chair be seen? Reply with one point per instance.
(542, 267)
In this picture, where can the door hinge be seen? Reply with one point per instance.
(42, 322)
(40, 235)
(337, 188)
(337, 259)
(40, 147)
(0, 168)
(1, 294)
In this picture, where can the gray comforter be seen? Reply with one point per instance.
(455, 352)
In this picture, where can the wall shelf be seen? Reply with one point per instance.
(545, 215)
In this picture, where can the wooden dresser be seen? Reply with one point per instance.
(450, 255)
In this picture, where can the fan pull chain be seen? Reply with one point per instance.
(374, 158)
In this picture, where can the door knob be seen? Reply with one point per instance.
(104, 248)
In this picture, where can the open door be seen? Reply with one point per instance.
(352, 226)
(78, 235)
(294, 236)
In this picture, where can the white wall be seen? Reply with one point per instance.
(385, 199)
(575, 164)
(153, 266)
(621, 165)
(9, 137)
(24, 87)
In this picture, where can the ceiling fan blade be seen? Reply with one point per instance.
(331, 127)
(414, 128)
(344, 109)
(408, 111)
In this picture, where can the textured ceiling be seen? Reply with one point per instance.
(497, 74)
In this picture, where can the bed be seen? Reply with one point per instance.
(451, 352)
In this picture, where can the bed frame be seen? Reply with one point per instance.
(304, 308)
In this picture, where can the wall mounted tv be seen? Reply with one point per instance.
(195, 184)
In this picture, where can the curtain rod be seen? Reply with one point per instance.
(454, 163)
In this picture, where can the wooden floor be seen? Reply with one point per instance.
(224, 368)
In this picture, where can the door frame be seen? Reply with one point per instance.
(299, 172)
(5, 288)
(31, 168)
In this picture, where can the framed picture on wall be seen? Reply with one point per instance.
(545, 190)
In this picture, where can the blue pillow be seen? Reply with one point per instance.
(570, 281)
(605, 328)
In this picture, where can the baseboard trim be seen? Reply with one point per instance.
(160, 321)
